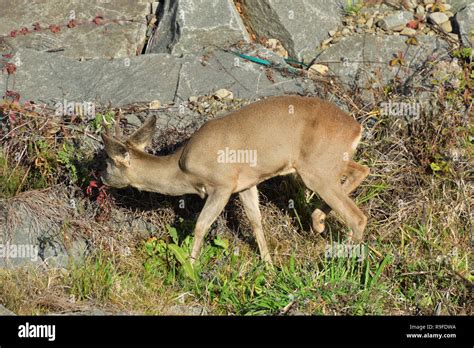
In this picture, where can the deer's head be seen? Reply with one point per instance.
(122, 162)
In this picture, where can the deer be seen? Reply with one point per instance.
(287, 134)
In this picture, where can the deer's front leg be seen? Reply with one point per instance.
(215, 203)
(249, 200)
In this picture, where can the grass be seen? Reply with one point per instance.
(230, 279)
(417, 251)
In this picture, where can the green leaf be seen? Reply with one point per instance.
(435, 167)
(379, 270)
(221, 242)
(182, 257)
(173, 233)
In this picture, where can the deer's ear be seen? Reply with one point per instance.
(117, 151)
(143, 136)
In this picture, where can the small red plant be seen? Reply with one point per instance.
(9, 68)
(54, 28)
(413, 24)
(97, 190)
(24, 31)
(72, 23)
(98, 20)
(13, 95)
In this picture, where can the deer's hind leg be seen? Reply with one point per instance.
(355, 173)
(324, 179)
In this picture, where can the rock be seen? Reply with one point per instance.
(223, 93)
(188, 25)
(243, 78)
(395, 22)
(453, 36)
(121, 81)
(5, 311)
(370, 22)
(428, 2)
(464, 21)
(300, 27)
(446, 26)
(420, 10)
(317, 69)
(367, 96)
(410, 4)
(325, 43)
(185, 310)
(133, 120)
(438, 18)
(332, 32)
(155, 104)
(457, 5)
(276, 46)
(449, 14)
(448, 73)
(32, 231)
(148, 77)
(345, 31)
(85, 40)
(88, 312)
(345, 59)
(408, 31)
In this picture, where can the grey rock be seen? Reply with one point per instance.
(50, 79)
(464, 20)
(363, 60)
(89, 312)
(31, 233)
(189, 25)
(457, 5)
(5, 311)
(185, 310)
(411, 4)
(438, 18)
(243, 78)
(420, 10)
(133, 120)
(300, 27)
(86, 40)
(395, 21)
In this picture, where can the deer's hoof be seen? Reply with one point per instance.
(355, 237)
(318, 220)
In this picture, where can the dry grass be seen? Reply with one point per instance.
(419, 199)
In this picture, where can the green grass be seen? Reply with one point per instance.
(10, 177)
(417, 199)
(93, 279)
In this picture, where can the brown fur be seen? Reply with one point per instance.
(288, 134)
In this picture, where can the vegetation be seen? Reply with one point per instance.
(415, 260)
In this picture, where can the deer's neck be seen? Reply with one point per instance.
(161, 174)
